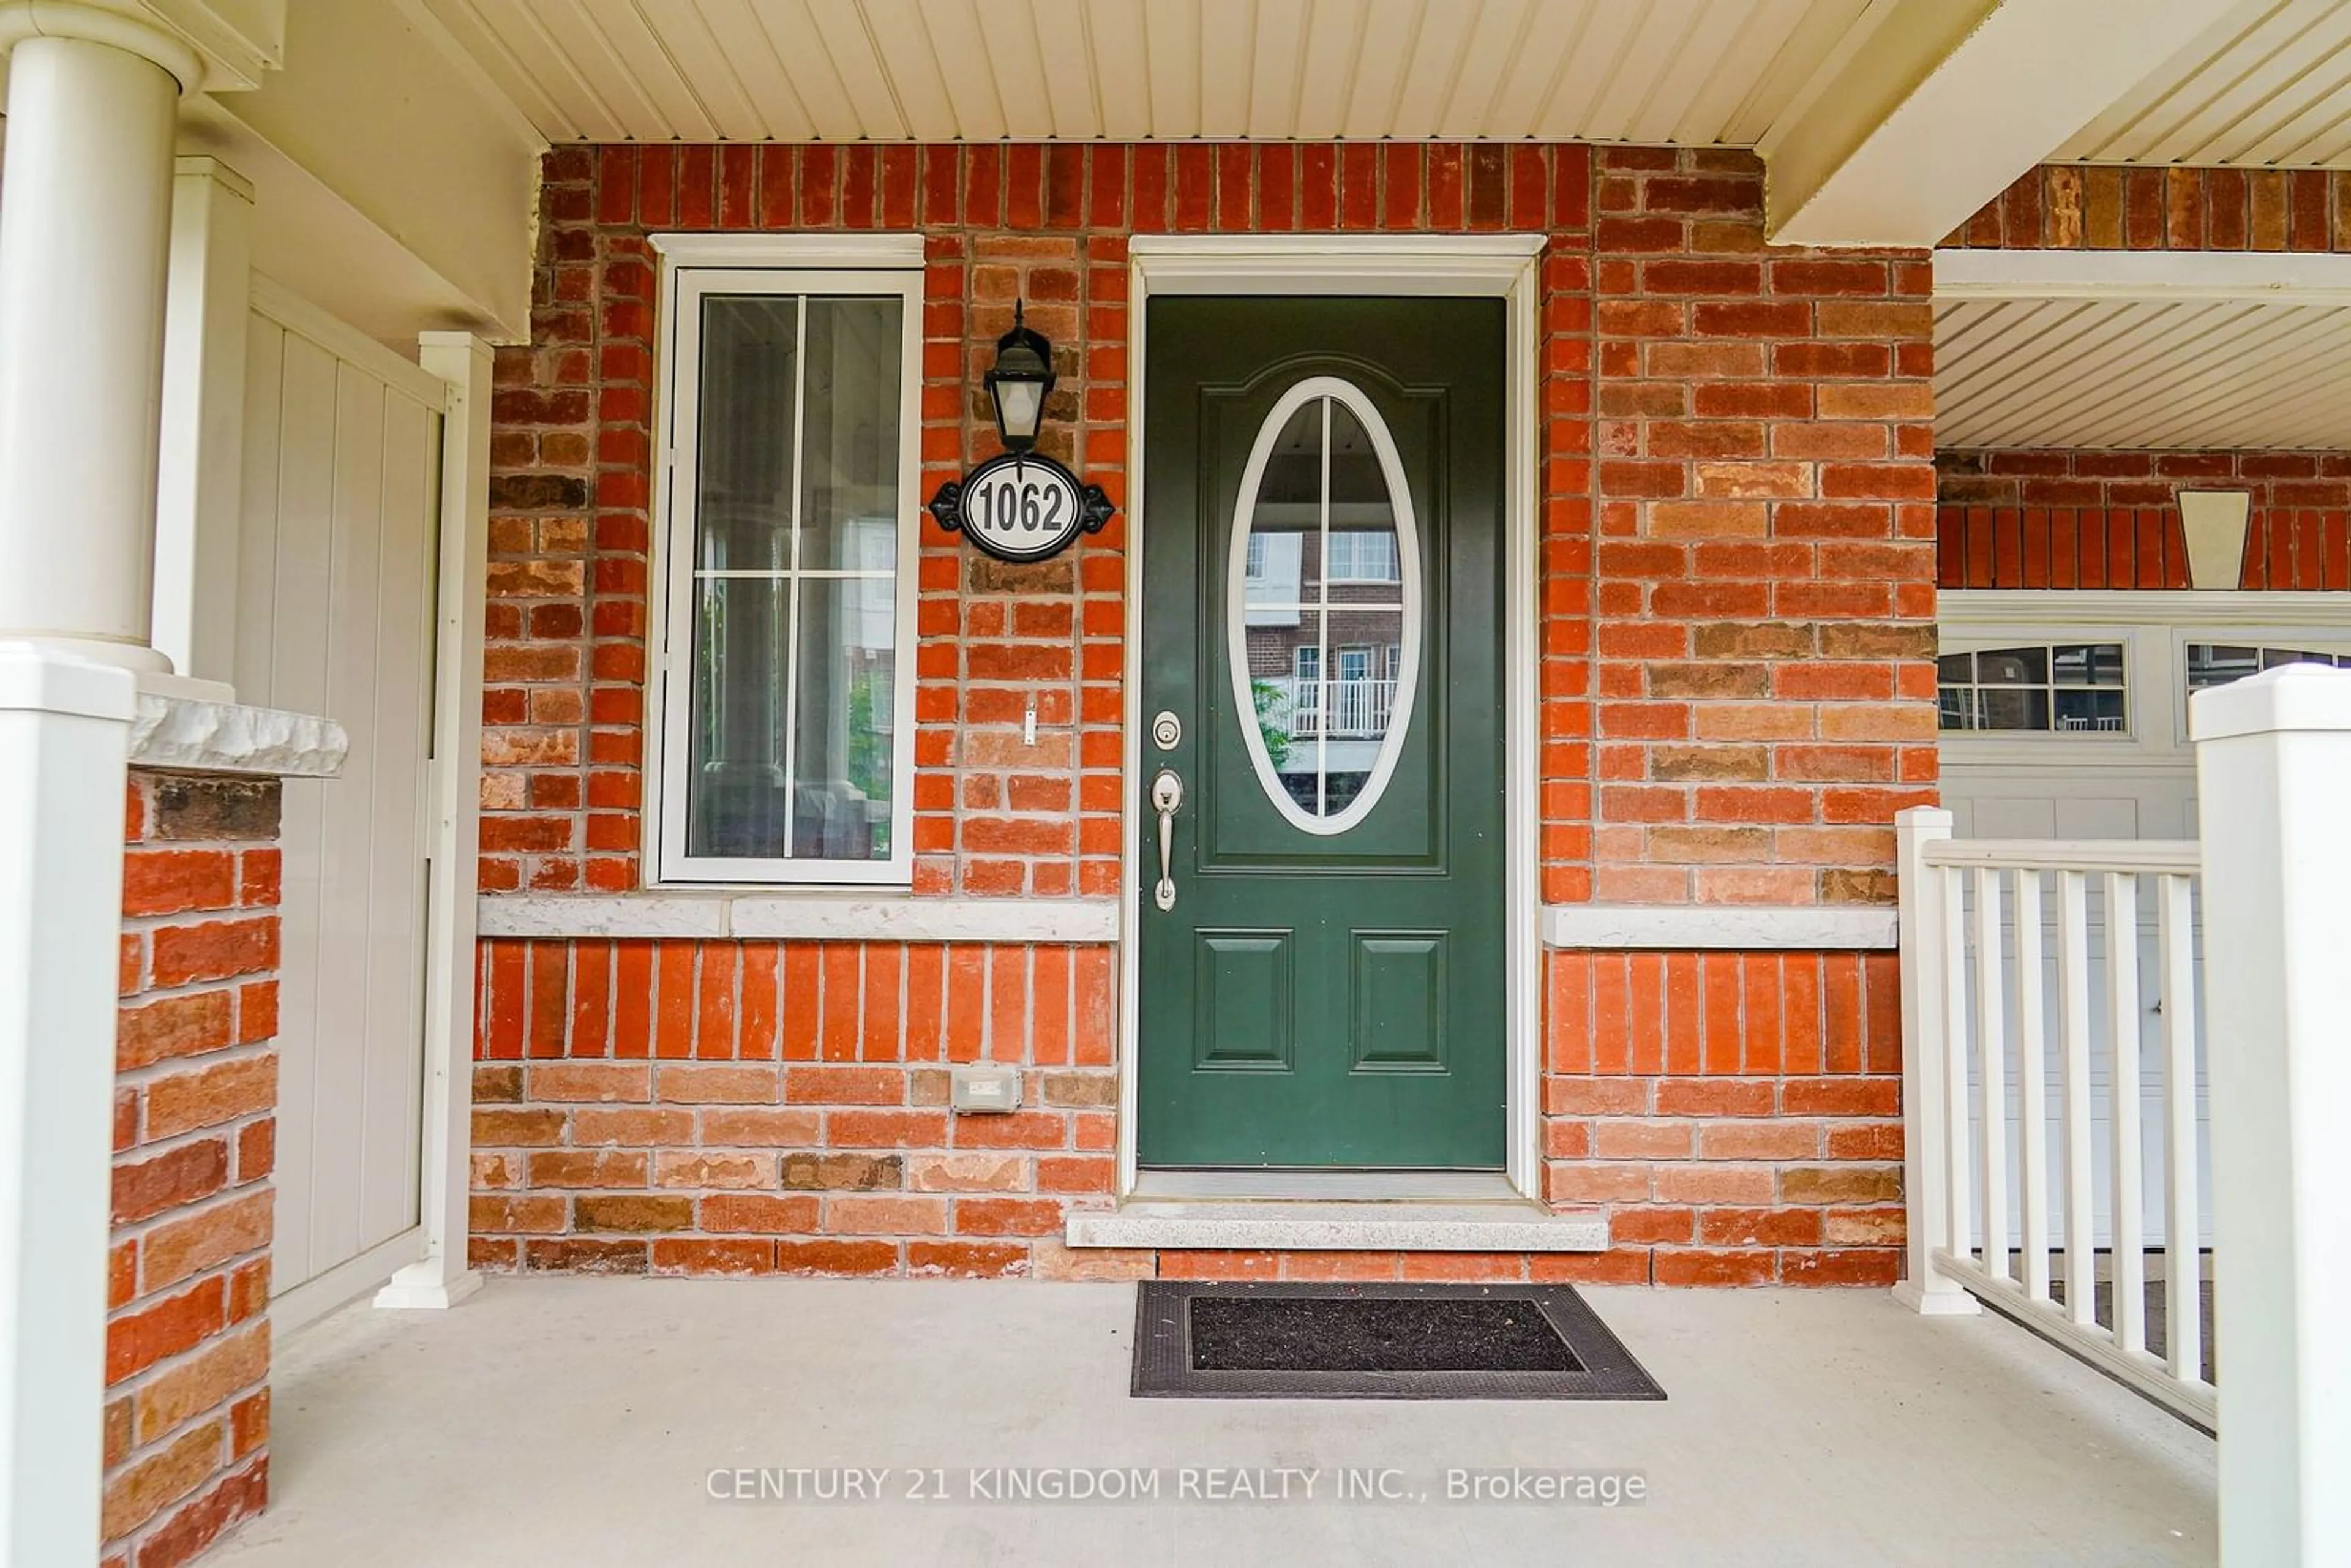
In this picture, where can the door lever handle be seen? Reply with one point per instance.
(1167, 794)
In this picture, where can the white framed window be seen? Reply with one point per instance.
(2036, 688)
(1362, 557)
(788, 523)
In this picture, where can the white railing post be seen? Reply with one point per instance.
(64, 743)
(2272, 752)
(1926, 1108)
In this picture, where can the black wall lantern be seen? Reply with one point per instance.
(1019, 382)
(1021, 505)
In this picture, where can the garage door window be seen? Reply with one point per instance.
(2218, 663)
(2062, 688)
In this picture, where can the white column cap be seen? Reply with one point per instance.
(43, 680)
(2292, 697)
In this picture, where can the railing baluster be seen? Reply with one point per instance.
(1992, 1111)
(2073, 1047)
(2031, 1085)
(1962, 1231)
(1955, 1063)
(2183, 1285)
(2129, 1181)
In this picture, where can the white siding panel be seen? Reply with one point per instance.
(347, 898)
(2267, 86)
(652, 66)
(1024, 92)
(959, 50)
(1228, 49)
(856, 55)
(1076, 98)
(1659, 39)
(1524, 94)
(2143, 372)
(1121, 67)
(708, 70)
(2271, 85)
(299, 568)
(1327, 68)
(1433, 68)
(1173, 30)
(609, 76)
(338, 565)
(1598, 58)
(751, 57)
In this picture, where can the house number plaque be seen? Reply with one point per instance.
(1022, 507)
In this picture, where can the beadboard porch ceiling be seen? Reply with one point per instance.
(2269, 84)
(2195, 372)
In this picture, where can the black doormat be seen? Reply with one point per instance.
(1377, 1342)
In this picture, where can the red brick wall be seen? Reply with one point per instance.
(187, 1344)
(2074, 519)
(2081, 206)
(745, 1107)
(566, 658)
(1737, 624)
(1739, 1114)
(1766, 603)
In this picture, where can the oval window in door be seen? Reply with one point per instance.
(1322, 607)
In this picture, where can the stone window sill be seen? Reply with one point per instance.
(801, 917)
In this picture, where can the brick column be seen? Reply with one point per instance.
(187, 1344)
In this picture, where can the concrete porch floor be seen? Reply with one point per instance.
(573, 1421)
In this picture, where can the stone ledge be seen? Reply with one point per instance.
(1520, 1227)
(230, 737)
(716, 913)
(1743, 927)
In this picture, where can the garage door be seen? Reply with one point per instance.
(2064, 716)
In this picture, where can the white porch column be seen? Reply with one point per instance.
(64, 740)
(201, 474)
(84, 234)
(2272, 756)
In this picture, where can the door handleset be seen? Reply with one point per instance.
(1167, 794)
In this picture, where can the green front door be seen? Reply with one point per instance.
(1322, 968)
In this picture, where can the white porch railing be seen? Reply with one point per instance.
(2045, 1026)
(1343, 709)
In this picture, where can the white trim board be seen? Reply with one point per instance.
(1516, 1226)
(819, 252)
(2275, 278)
(810, 916)
(1974, 607)
(1485, 265)
(1408, 265)
(1741, 927)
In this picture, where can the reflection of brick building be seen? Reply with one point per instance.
(1325, 679)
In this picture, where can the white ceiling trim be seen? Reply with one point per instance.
(2275, 278)
(1705, 72)
(1943, 108)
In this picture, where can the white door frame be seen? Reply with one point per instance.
(1485, 265)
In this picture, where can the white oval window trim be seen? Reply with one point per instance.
(1314, 388)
